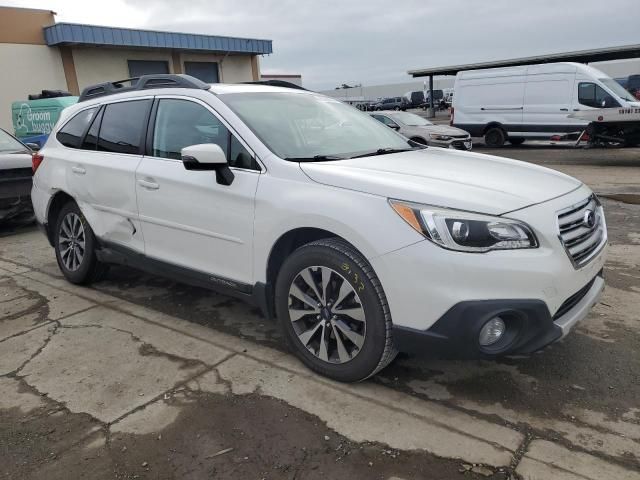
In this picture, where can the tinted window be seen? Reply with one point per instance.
(91, 139)
(71, 134)
(122, 126)
(180, 123)
(386, 120)
(593, 95)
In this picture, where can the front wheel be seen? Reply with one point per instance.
(75, 247)
(494, 137)
(334, 312)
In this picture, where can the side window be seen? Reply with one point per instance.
(122, 126)
(90, 141)
(71, 134)
(387, 121)
(180, 123)
(593, 95)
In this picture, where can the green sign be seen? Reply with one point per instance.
(38, 117)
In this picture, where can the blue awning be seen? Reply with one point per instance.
(78, 34)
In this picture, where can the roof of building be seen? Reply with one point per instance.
(581, 56)
(80, 34)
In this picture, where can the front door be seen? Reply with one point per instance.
(188, 219)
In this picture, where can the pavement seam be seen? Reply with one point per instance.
(24, 332)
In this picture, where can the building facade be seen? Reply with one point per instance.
(37, 53)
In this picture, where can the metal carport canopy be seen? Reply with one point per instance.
(581, 56)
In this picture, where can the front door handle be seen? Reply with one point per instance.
(148, 185)
(564, 109)
(576, 109)
(78, 170)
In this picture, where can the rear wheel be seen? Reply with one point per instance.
(494, 137)
(333, 311)
(75, 247)
(516, 140)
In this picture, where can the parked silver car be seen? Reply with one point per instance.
(15, 177)
(421, 130)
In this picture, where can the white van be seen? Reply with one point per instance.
(531, 101)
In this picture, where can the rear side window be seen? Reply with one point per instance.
(122, 126)
(71, 134)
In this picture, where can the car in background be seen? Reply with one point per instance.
(415, 99)
(392, 103)
(438, 95)
(422, 131)
(15, 177)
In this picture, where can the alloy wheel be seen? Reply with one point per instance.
(327, 314)
(71, 241)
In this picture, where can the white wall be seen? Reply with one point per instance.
(27, 69)
(392, 90)
(96, 65)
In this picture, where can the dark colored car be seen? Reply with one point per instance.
(392, 103)
(15, 177)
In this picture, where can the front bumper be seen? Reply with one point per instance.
(427, 286)
(457, 143)
(529, 326)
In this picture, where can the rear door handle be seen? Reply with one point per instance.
(148, 185)
(78, 170)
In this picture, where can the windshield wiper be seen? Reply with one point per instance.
(316, 158)
(386, 151)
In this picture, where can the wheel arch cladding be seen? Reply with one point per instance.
(284, 246)
(59, 200)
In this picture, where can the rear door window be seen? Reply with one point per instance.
(122, 127)
(71, 134)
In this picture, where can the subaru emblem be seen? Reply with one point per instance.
(589, 219)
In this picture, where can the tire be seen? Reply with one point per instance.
(516, 140)
(86, 268)
(494, 137)
(367, 346)
(396, 108)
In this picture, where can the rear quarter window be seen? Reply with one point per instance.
(71, 134)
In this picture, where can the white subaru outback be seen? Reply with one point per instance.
(359, 241)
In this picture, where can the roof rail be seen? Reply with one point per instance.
(276, 83)
(161, 80)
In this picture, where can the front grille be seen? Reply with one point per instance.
(573, 300)
(581, 240)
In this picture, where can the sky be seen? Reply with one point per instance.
(374, 42)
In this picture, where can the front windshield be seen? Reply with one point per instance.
(302, 126)
(618, 89)
(9, 144)
(411, 119)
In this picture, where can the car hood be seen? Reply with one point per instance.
(438, 129)
(446, 178)
(14, 160)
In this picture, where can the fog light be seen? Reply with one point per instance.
(491, 332)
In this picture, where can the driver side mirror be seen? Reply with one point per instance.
(207, 157)
(34, 147)
(395, 127)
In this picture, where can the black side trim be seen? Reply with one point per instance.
(529, 328)
(114, 253)
(477, 130)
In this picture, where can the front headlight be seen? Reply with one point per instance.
(465, 231)
(435, 136)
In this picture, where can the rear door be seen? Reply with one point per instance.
(101, 171)
(188, 219)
